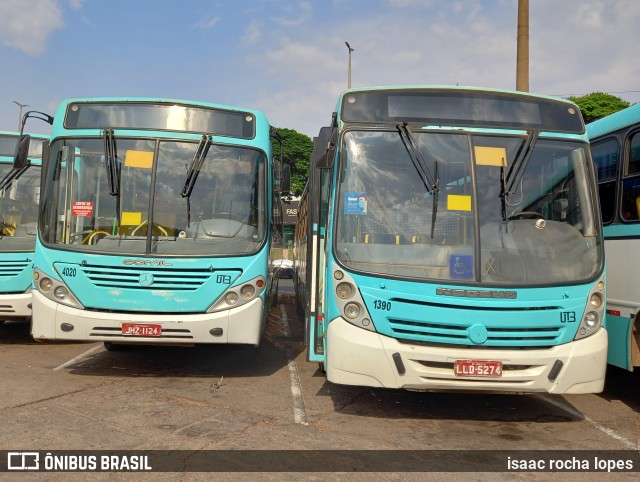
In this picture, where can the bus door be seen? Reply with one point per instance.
(319, 196)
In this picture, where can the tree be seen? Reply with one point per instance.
(597, 105)
(296, 151)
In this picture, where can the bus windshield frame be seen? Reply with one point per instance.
(390, 224)
(224, 215)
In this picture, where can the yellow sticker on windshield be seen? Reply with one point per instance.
(140, 159)
(491, 156)
(458, 203)
(130, 218)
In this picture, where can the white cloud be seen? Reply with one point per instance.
(207, 23)
(76, 4)
(27, 24)
(252, 33)
(295, 15)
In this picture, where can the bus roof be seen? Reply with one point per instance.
(459, 106)
(157, 100)
(615, 121)
(159, 114)
(467, 88)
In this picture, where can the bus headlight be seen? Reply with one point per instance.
(594, 313)
(61, 292)
(247, 291)
(352, 310)
(55, 290)
(591, 319)
(350, 302)
(596, 300)
(231, 298)
(239, 294)
(46, 284)
(344, 291)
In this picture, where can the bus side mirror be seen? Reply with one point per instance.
(285, 183)
(328, 136)
(20, 159)
(326, 159)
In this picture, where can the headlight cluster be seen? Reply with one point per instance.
(55, 290)
(239, 295)
(349, 301)
(594, 314)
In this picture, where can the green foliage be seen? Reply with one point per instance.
(596, 105)
(296, 152)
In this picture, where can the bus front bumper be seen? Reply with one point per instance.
(54, 321)
(360, 357)
(15, 305)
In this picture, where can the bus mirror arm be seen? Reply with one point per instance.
(20, 158)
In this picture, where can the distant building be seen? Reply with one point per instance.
(289, 220)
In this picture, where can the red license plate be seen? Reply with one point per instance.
(478, 368)
(141, 329)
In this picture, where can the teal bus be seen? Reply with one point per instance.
(449, 238)
(615, 148)
(155, 224)
(19, 198)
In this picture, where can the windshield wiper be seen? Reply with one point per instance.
(517, 169)
(111, 162)
(13, 175)
(431, 183)
(194, 171)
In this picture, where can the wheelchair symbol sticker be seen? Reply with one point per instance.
(461, 266)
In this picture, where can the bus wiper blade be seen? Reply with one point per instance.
(194, 171)
(519, 166)
(12, 175)
(431, 183)
(111, 162)
(196, 165)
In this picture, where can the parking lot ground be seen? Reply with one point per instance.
(78, 396)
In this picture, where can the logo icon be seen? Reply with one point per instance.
(145, 279)
(23, 461)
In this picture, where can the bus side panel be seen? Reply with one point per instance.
(620, 341)
(622, 294)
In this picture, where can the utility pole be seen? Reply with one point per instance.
(20, 115)
(349, 75)
(522, 62)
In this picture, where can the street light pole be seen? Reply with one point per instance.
(522, 53)
(349, 77)
(20, 115)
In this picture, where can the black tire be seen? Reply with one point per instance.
(110, 346)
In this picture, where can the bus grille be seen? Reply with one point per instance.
(9, 269)
(163, 278)
(458, 334)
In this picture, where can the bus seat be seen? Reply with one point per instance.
(638, 207)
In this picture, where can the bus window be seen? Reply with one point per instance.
(631, 183)
(605, 155)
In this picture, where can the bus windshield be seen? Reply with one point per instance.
(148, 213)
(19, 209)
(391, 221)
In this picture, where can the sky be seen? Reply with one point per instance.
(289, 58)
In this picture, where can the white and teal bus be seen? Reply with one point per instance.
(615, 147)
(155, 224)
(19, 198)
(450, 238)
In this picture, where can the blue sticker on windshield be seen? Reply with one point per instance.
(355, 203)
(461, 266)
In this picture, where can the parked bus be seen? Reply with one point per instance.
(19, 197)
(155, 224)
(453, 241)
(615, 147)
